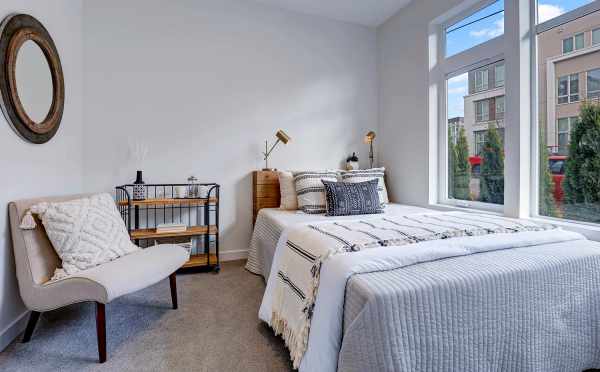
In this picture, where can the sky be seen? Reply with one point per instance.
(462, 36)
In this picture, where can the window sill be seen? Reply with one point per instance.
(568, 103)
(588, 230)
(458, 208)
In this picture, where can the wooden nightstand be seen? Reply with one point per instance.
(265, 191)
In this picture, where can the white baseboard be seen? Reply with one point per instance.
(8, 334)
(233, 255)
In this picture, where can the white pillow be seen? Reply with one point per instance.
(85, 232)
(287, 188)
(311, 191)
(362, 175)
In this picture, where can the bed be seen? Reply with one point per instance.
(530, 306)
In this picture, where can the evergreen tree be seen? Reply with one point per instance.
(492, 168)
(582, 174)
(461, 167)
(547, 204)
(451, 164)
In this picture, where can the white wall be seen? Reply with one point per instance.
(205, 82)
(403, 116)
(35, 170)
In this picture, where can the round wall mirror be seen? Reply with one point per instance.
(31, 79)
(34, 81)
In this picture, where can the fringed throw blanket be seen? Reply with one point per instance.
(308, 246)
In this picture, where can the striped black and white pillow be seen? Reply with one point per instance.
(310, 190)
(362, 175)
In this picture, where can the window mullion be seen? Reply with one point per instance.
(518, 100)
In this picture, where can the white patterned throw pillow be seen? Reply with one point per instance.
(362, 175)
(310, 189)
(84, 232)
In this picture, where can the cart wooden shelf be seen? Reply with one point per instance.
(168, 201)
(190, 231)
(199, 213)
(199, 260)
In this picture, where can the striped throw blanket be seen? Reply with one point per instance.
(308, 246)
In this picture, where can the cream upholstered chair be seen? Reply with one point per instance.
(36, 261)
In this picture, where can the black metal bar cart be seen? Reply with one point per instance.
(185, 214)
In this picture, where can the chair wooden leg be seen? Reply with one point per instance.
(173, 283)
(33, 318)
(101, 331)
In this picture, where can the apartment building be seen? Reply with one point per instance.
(484, 104)
(454, 125)
(569, 74)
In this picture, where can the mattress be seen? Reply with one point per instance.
(271, 222)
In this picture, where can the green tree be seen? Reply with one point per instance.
(547, 204)
(451, 164)
(461, 168)
(582, 173)
(492, 168)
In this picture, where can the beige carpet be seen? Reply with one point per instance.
(215, 329)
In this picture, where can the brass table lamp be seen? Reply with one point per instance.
(281, 137)
(369, 138)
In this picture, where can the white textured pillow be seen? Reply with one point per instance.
(311, 191)
(362, 175)
(287, 188)
(85, 232)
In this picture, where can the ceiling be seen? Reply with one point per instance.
(365, 12)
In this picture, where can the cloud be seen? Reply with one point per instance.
(490, 32)
(458, 79)
(458, 90)
(548, 11)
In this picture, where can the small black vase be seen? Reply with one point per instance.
(139, 190)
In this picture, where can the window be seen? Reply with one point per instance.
(574, 77)
(557, 166)
(567, 45)
(473, 80)
(476, 29)
(481, 80)
(579, 41)
(568, 89)
(499, 76)
(574, 88)
(480, 137)
(482, 110)
(593, 83)
(565, 69)
(563, 131)
(573, 43)
(500, 107)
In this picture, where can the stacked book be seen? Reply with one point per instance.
(171, 228)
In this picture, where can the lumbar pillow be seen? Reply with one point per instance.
(287, 188)
(363, 175)
(347, 199)
(84, 232)
(310, 190)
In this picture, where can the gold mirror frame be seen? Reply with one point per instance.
(15, 30)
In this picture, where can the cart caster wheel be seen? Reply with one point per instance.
(217, 269)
